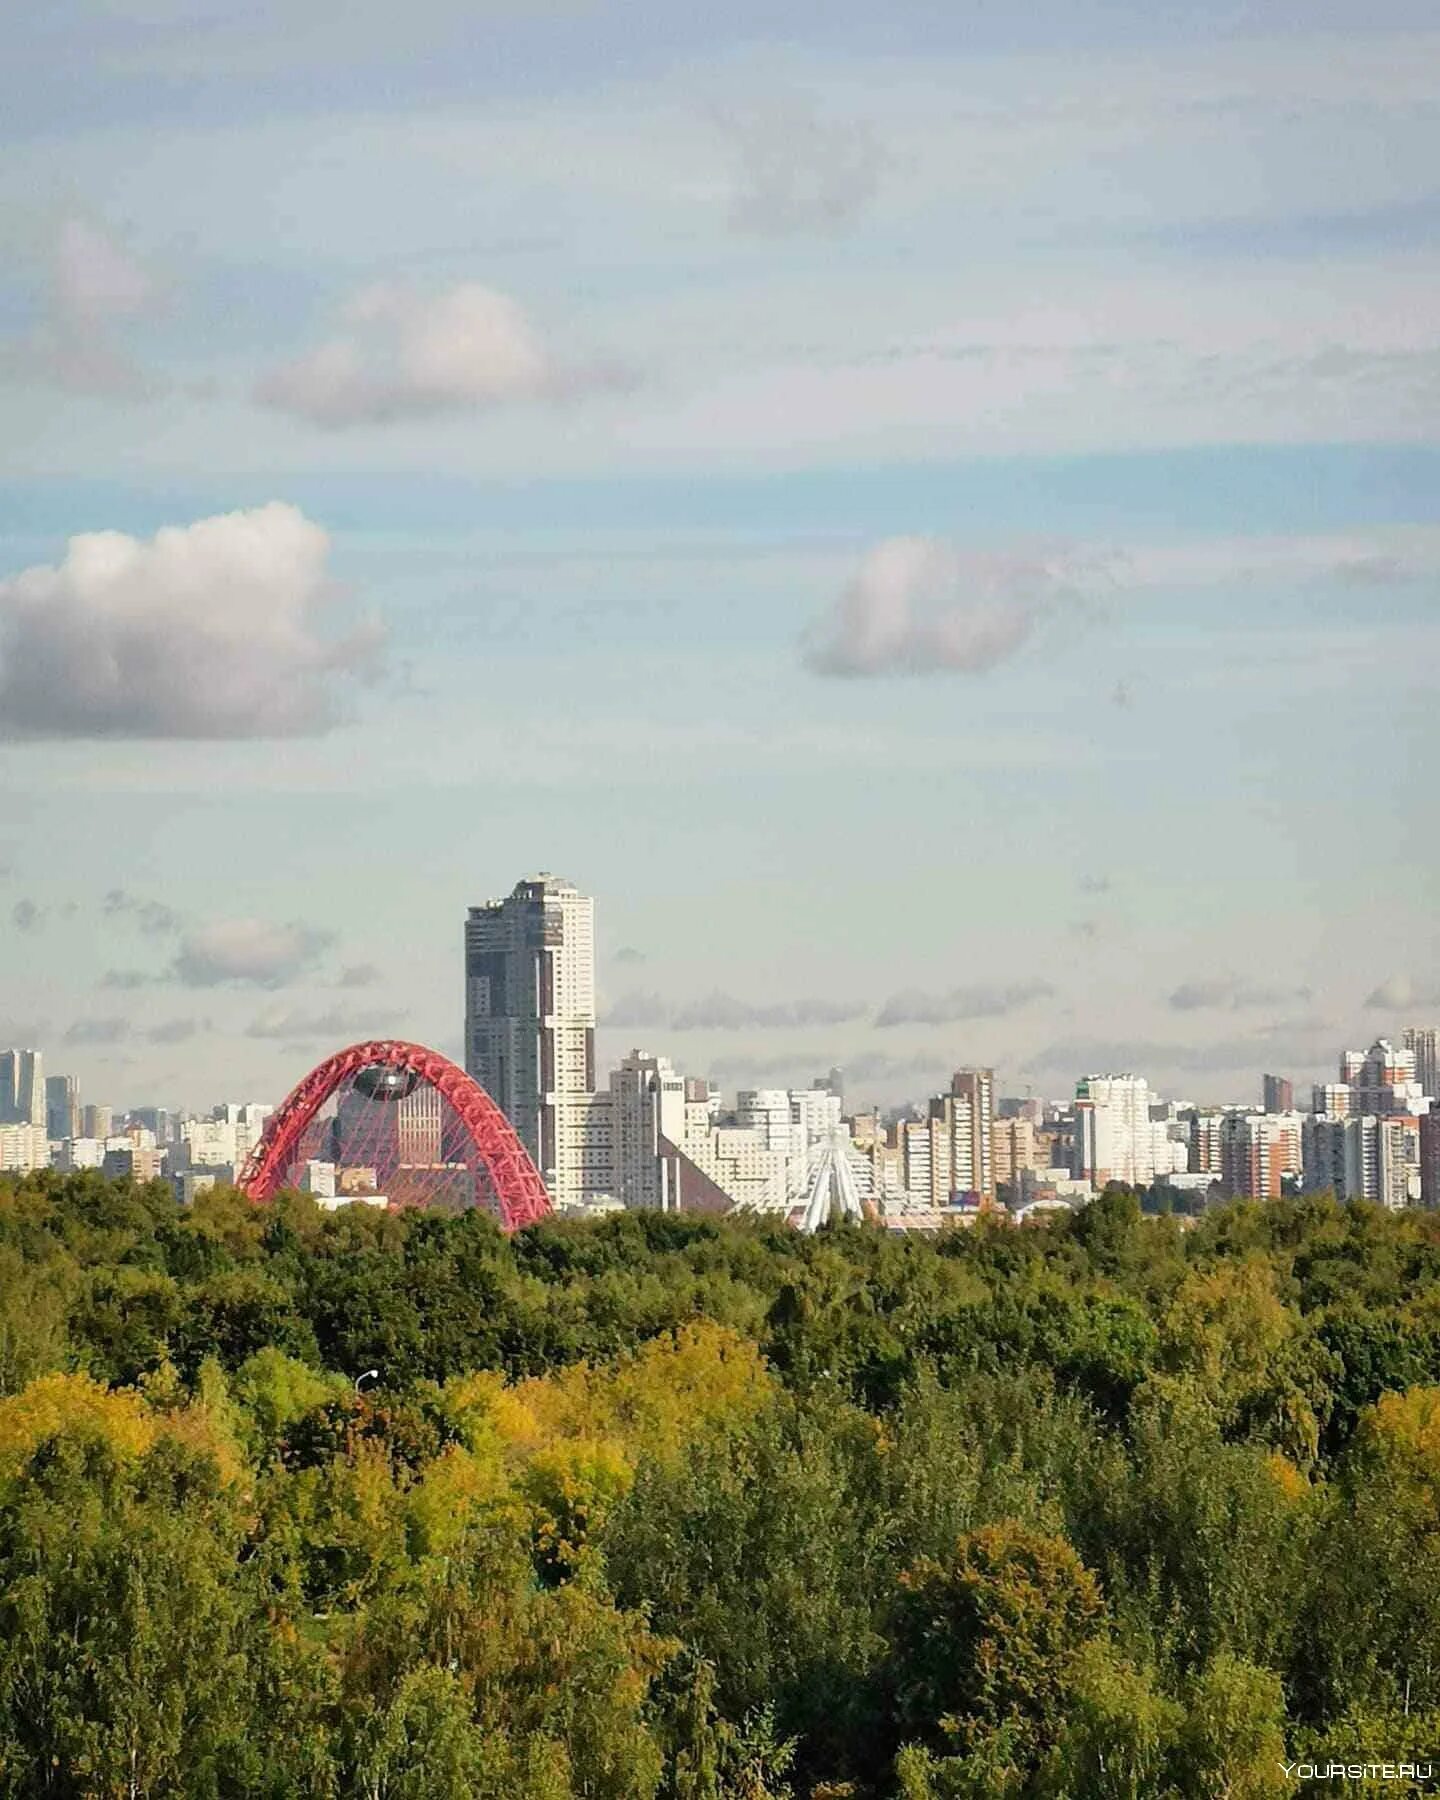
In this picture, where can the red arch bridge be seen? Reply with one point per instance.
(397, 1119)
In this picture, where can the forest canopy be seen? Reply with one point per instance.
(659, 1508)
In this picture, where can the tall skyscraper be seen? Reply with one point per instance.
(969, 1114)
(1279, 1094)
(62, 1106)
(1423, 1043)
(530, 1019)
(22, 1088)
(647, 1108)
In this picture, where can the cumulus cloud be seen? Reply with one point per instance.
(1231, 993)
(334, 1026)
(152, 917)
(248, 953)
(1397, 992)
(208, 630)
(628, 956)
(358, 975)
(96, 288)
(918, 605)
(25, 915)
(1094, 884)
(796, 171)
(981, 1001)
(402, 354)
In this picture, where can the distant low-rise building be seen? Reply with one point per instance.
(24, 1148)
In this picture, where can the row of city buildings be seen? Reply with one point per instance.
(44, 1125)
(648, 1135)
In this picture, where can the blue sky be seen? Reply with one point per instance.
(934, 517)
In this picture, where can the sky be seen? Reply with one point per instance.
(930, 513)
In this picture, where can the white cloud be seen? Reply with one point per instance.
(918, 604)
(405, 355)
(204, 631)
(248, 953)
(1398, 992)
(96, 279)
(96, 288)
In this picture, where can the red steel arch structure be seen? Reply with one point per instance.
(479, 1140)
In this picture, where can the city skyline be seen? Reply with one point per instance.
(950, 1025)
(934, 525)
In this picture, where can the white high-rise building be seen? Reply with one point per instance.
(646, 1102)
(771, 1114)
(817, 1111)
(738, 1163)
(972, 1132)
(24, 1148)
(1113, 1138)
(530, 1022)
(22, 1088)
(1423, 1043)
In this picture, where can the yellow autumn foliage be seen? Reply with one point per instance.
(1403, 1431)
(1291, 1483)
(659, 1400)
(568, 1444)
(54, 1404)
(457, 1488)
